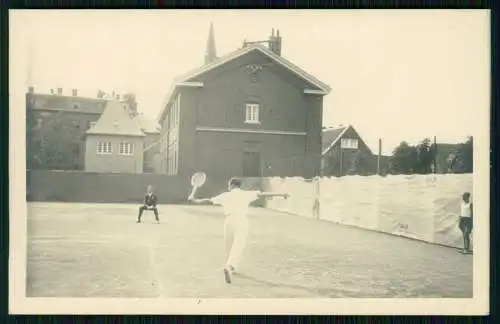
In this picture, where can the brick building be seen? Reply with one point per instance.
(249, 113)
(114, 143)
(57, 123)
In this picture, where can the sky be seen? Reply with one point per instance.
(395, 75)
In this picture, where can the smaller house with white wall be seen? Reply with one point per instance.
(114, 143)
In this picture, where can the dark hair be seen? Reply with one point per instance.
(235, 183)
(466, 195)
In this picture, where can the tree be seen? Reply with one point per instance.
(129, 98)
(56, 145)
(463, 162)
(425, 157)
(403, 159)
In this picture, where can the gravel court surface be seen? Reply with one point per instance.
(97, 250)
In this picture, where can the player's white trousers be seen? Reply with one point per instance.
(235, 236)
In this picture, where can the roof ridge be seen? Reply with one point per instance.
(235, 54)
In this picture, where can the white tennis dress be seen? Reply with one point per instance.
(235, 204)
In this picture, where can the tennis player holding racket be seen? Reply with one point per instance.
(235, 203)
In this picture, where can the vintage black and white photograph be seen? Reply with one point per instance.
(250, 161)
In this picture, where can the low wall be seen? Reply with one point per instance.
(74, 186)
(423, 207)
(79, 186)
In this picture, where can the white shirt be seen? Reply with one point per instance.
(465, 209)
(236, 201)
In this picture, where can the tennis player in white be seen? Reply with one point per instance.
(235, 203)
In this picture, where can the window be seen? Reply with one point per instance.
(126, 149)
(104, 148)
(349, 143)
(91, 124)
(252, 113)
(39, 123)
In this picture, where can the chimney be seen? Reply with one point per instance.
(51, 91)
(275, 42)
(118, 97)
(100, 94)
(31, 89)
(278, 43)
(272, 42)
(75, 92)
(59, 91)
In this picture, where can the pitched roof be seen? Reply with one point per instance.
(115, 121)
(147, 125)
(331, 136)
(238, 53)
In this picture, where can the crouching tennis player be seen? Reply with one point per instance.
(235, 203)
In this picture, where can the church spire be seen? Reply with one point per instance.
(211, 53)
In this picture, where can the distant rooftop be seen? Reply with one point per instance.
(115, 121)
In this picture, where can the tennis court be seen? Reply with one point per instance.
(97, 250)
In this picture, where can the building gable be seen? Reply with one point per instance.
(333, 136)
(195, 77)
(255, 61)
(115, 121)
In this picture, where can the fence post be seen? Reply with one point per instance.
(316, 196)
(379, 154)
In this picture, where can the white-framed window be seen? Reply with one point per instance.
(126, 148)
(349, 143)
(252, 113)
(104, 148)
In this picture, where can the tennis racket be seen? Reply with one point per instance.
(197, 180)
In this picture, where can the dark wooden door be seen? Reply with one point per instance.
(251, 164)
